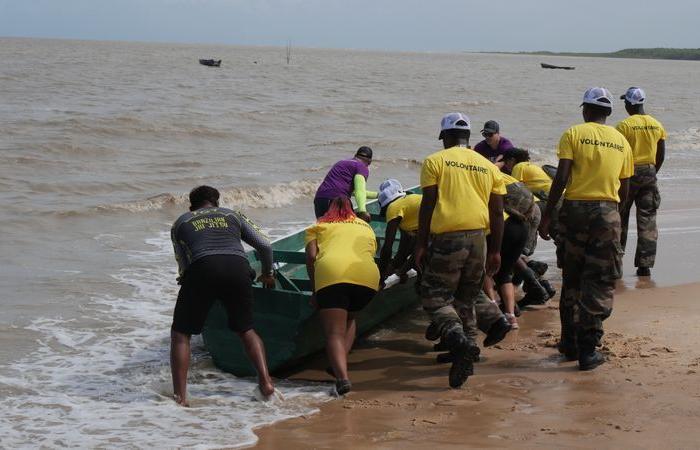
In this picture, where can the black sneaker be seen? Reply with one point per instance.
(569, 351)
(548, 287)
(539, 267)
(497, 332)
(590, 361)
(643, 272)
(464, 351)
(342, 387)
(432, 333)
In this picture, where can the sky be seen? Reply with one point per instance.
(406, 25)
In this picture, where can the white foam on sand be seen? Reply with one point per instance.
(103, 379)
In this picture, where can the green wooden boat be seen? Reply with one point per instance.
(284, 319)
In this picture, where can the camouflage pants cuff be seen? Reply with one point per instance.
(446, 319)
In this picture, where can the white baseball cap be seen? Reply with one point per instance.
(389, 191)
(454, 121)
(598, 96)
(634, 96)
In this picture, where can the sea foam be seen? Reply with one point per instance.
(103, 379)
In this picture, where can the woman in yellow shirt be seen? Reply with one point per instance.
(340, 250)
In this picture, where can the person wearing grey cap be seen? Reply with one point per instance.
(494, 146)
(462, 199)
(595, 165)
(647, 137)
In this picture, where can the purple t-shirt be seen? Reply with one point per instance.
(339, 180)
(487, 152)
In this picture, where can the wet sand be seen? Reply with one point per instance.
(522, 394)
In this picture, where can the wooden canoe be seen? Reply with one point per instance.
(550, 66)
(284, 319)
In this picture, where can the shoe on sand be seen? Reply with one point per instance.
(643, 272)
(464, 351)
(342, 387)
(590, 361)
(497, 332)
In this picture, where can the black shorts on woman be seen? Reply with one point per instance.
(347, 296)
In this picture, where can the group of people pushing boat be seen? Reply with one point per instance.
(468, 236)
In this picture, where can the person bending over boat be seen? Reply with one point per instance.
(347, 177)
(400, 210)
(494, 145)
(340, 250)
(462, 197)
(213, 266)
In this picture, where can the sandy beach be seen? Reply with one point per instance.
(522, 393)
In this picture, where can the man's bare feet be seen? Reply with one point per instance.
(267, 388)
(181, 401)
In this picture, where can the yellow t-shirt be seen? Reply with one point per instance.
(407, 209)
(533, 176)
(345, 253)
(465, 181)
(507, 179)
(643, 132)
(601, 158)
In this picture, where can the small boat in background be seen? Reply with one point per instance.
(550, 66)
(210, 62)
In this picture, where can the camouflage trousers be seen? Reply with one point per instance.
(644, 193)
(452, 279)
(589, 232)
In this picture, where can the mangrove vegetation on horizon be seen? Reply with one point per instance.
(687, 54)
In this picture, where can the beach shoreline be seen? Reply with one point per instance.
(522, 392)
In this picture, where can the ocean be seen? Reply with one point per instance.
(100, 142)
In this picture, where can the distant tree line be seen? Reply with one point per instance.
(689, 54)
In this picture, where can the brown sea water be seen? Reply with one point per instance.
(101, 141)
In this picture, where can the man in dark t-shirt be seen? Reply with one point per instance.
(494, 146)
(213, 266)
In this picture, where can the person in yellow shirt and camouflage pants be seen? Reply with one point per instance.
(462, 197)
(595, 164)
(647, 138)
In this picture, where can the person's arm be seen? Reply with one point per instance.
(493, 252)
(251, 235)
(360, 193)
(385, 253)
(179, 253)
(624, 190)
(660, 154)
(425, 216)
(558, 186)
(311, 253)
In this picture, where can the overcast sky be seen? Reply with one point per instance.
(437, 25)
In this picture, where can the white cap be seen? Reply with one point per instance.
(634, 96)
(598, 96)
(454, 121)
(389, 191)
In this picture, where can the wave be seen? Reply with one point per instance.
(102, 380)
(128, 126)
(274, 196)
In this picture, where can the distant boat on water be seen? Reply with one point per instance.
(210, 62)
(550, 66)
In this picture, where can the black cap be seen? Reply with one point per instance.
(364, 151)
(491, 127)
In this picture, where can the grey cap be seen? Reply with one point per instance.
(491, 127)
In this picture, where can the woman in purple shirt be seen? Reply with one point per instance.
(494, 145)
(345, 179)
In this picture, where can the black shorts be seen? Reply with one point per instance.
(515, 234)
(351, 297)
(227, 278)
